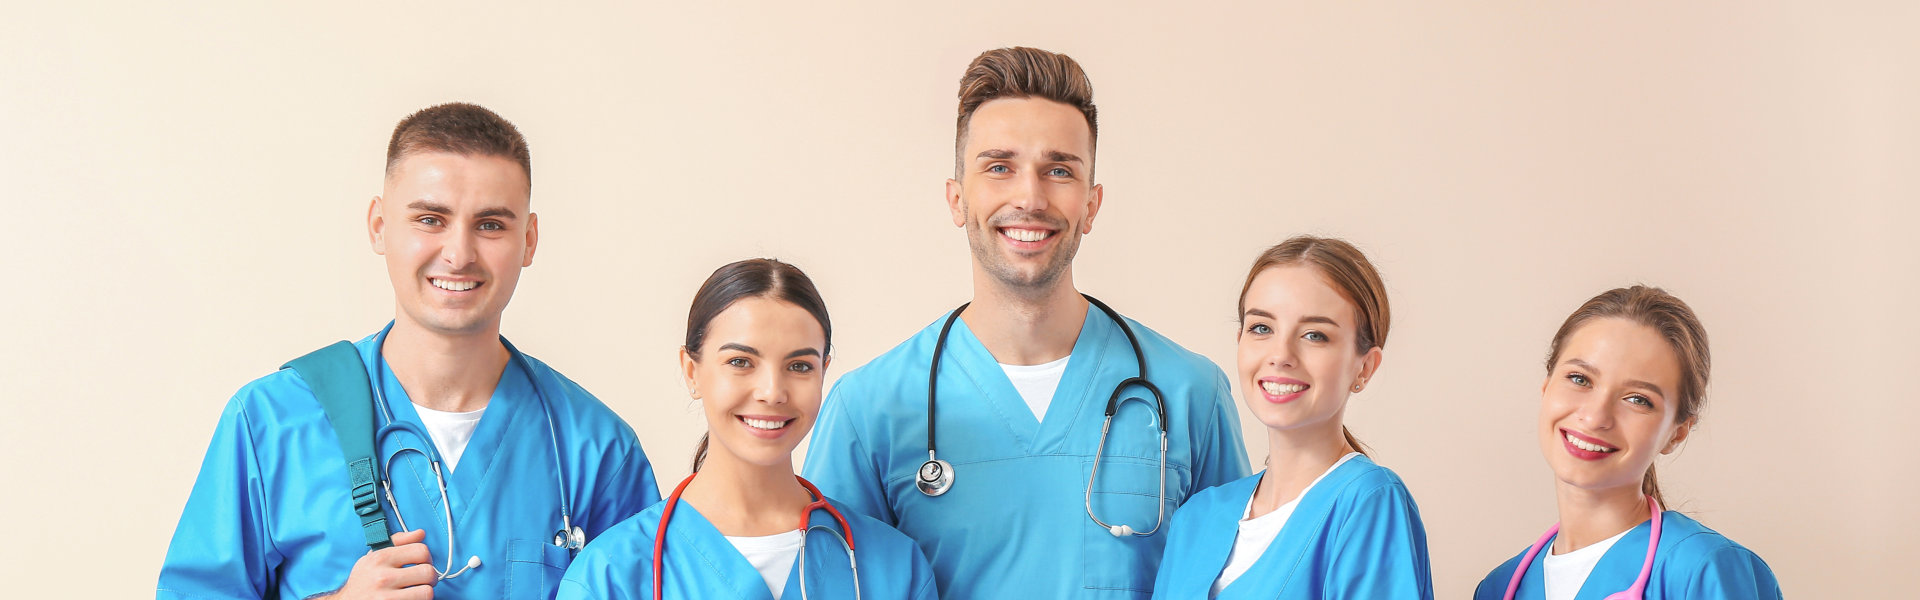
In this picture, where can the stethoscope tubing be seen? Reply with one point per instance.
(819, 503)
(569, 536)
(1639, 589)
(936, 476)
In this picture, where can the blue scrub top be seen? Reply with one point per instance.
(1015, 523)
(1356, 534)
(701, 564)
(270, 515)
(1692, 562)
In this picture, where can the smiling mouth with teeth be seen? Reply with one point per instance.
(1281, 389)
(1584, 445)
(765, 424)
(1026, 235)
(453, 286)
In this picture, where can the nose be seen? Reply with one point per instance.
(1030, 193)
(458, 250)
(1280, 355)
(1595, 411)
(767, 390)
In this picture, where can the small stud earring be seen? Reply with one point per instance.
(1356, 387)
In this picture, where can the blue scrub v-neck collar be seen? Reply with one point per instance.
(1614, 573)
(481, 454)
(1003, 400)
(690, 531)
(1290, 546)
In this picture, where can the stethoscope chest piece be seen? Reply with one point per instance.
(570, 537)
(935, 477)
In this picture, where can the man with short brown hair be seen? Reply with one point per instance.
(1036, 464)
(487, 469)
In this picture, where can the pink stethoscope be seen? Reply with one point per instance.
(1637, 592)
(819, 502)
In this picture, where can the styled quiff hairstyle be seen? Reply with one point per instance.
(1667, 315)
(1023, 73)
(458, 128)
(1349, 271)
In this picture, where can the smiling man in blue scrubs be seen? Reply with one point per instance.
(517, 444)
(1025, 377)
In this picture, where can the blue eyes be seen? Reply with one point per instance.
(1264, 329)
(998, 169)
(1053, 172)
(1585, 382)
(1058, 172)
(433, 221)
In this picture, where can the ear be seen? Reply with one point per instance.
(1367, 366)
(533, 238)
(1680, 433)
(376, 227)
(687, 366)
(1094, 197)
(955, 207)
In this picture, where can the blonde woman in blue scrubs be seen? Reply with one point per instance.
(1323, 521)
(1626, 378)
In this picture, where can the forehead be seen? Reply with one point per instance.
(768, 325)
(1622, 349)
(1028, 123)
(1292, 291)
(458, 180)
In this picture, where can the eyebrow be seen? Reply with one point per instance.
(442, 209)
(749, 350)
(1630, 382)
(1052, 155)
(1255, 312)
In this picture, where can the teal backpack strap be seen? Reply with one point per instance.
(339, 382)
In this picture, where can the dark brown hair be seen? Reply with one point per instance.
(458, 128)
(1351, 274)
(751, 278)
(1023, 73)
(1674, 321)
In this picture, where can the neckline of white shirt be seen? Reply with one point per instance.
(1566, 573)
(1245, 515)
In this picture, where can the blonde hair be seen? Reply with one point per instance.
(1350, 273)
(1673, 320)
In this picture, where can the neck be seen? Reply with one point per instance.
(1294, 459)
(1021, 328)
(448, 373)
(744, 499)
(1589, 516)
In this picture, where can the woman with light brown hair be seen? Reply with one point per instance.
(1323, 521)
(1626, 379)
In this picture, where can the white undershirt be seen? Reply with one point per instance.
(771, 555)
(450, 431)
(1036, 383)
(1257, 533)
(1567, 572)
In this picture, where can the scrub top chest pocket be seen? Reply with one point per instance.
(533, 568)
(1126, 493)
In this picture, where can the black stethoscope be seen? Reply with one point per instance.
(935, 476)
(570, 536)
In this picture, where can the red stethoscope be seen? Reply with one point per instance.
(1639, 589)
(819, 502)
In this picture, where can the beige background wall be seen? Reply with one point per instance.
(184, 189)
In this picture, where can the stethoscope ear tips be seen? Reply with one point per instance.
(473, 562)
(1120, 530)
